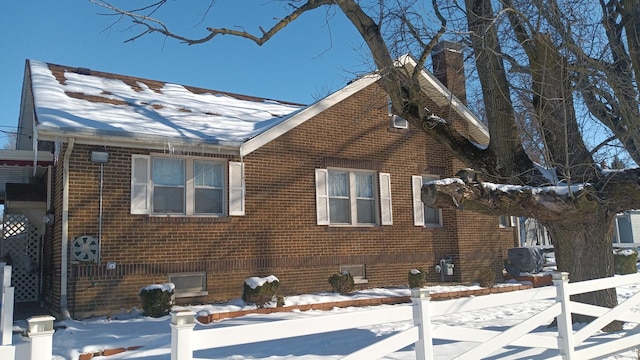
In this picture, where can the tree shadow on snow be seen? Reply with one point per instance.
(329, 344)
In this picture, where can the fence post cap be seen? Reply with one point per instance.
(420, 293)
(183, 317)
(560, 275)
(41, 323)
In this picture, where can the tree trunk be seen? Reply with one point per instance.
(574, 244)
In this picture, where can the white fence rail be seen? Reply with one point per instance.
(40, 333)
(7, 351)
(567, 343)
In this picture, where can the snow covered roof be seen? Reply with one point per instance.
(61, 102)
(79, 102)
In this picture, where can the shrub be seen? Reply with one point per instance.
(260, 291)
(486, 278)
(624, 261)
(157, 299)
(417, 278)
(342, 283)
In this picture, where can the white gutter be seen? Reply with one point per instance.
(64, 257)
(157, 143)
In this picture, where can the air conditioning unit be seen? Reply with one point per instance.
(398, 122)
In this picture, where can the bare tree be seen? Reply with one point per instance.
(548, 70)
(11, 140)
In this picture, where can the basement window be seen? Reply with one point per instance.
(189, 284)
(357, 272)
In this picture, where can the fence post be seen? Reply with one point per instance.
(182, 324)
(422, 319)
(565, 323)
(6, 304)
(40, 337)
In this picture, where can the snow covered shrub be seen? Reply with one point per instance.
(624, 261)
(342, 283)
(260, 291)
(417, 278)
(486, 278)
(157, 299)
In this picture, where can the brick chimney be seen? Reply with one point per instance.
(448, 67)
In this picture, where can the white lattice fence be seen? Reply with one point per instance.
(21, 248)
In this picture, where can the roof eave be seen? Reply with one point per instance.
(477, 129)
(138, 141)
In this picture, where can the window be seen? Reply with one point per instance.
(189, 284)
(505, 221)
(208, 181)
(357, 272)
(349, 197)
(168, 181)
(422, 214)
(163, 185)
(396, 121)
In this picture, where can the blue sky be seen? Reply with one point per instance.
(305, 61)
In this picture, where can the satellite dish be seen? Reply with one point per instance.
(85, 248)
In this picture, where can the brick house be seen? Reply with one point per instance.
(147, 182)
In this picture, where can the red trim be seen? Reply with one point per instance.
(24, 162)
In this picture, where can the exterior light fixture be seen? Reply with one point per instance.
(100, 157)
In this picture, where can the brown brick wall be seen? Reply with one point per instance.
(278, 235)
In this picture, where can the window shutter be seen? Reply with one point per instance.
(385, 199)
(236, 188)
(322, 196)
(140, 184)
(418, 206)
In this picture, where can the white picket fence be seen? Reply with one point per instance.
(569, 344)
(6, 312)
(40, 333)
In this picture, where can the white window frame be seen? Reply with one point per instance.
(142, 187)
(418, 206)
(381, 198)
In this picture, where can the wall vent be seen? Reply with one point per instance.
(83, 71)
(399, 123)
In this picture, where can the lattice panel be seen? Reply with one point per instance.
(20, 247)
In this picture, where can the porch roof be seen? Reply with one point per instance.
(22, 167)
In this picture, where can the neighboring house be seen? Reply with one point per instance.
(627, 229)
(150, 182)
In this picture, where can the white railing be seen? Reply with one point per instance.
(40, 333)
(6, 312)
(567, 343)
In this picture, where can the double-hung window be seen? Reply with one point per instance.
(424, 215)
(168, 181)
(208, 183)
(350, 197)
(189, 186)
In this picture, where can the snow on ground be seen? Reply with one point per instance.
(75, 337)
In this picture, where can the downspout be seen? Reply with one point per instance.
(64, 257)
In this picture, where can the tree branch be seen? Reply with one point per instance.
(156, 26)
(543, 203)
